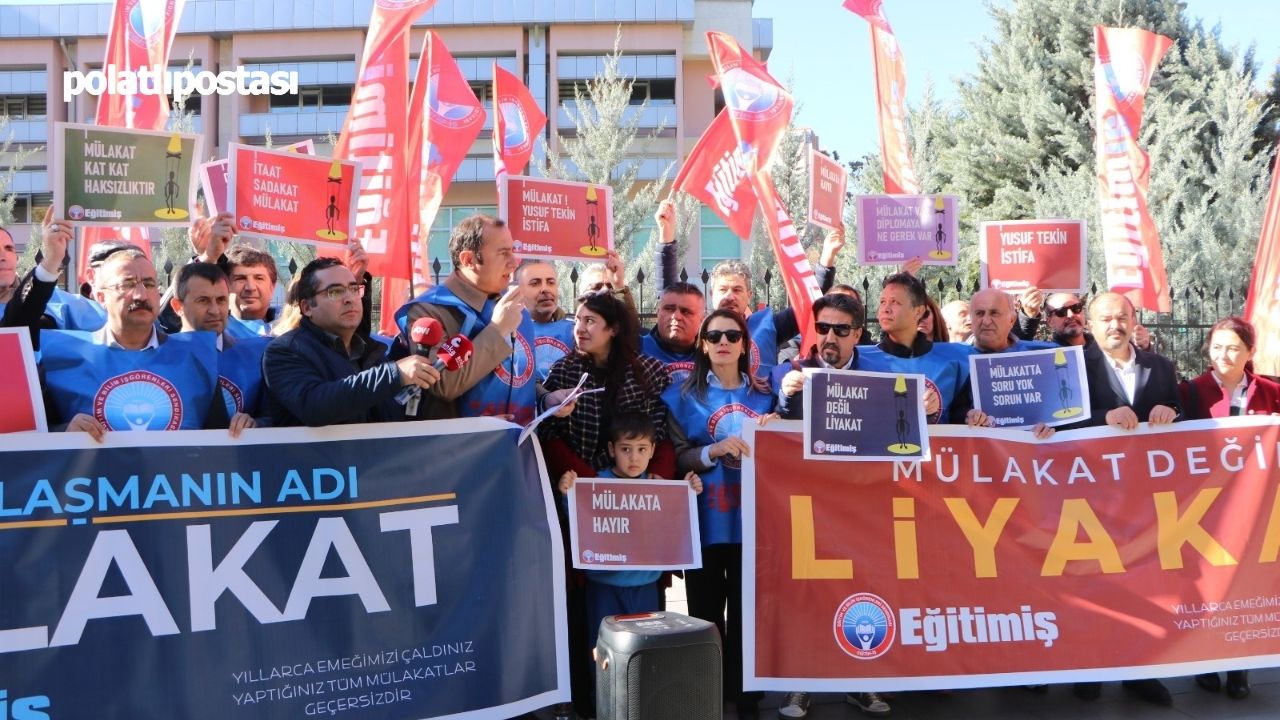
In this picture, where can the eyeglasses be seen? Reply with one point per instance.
(128, 286)
(714, 336)
(340, 292)
(1061, 312)
(841, 329)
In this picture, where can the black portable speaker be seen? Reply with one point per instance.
(658, 666)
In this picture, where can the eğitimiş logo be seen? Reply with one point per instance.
(748, 96)
(819, 447)
(864, 626)
(138, 400)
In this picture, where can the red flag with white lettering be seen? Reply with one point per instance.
(376, 134)
(797, 273)
(1122, 72)
(448, 119)
(716, 173)
(759, 107)
(891, 94)
(517, 124)
(1263, 308)
(140, 36)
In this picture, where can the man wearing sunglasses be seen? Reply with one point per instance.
(1065, 314)
(838, 320)
(325, 372)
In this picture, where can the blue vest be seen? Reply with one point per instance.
(764, 343)
(551, 342)
(1021, 345)
(240, 375)
(511, 387)
(706, 421)
(169, 388)
(678, 364)
(75, 312)
(945, 367)
(242, 329)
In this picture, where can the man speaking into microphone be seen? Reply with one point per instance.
(326, 373)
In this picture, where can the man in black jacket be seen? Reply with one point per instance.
(325, 372)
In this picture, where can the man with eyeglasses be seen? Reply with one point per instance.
(326, 372)
(839, 320)
(130, 375)
(475, 300)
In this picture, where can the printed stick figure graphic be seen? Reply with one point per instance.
(593, 227)
(170, 192)
(902, 426)
(331, 213)
(939, 237)
(1065, 393)
(173, 163)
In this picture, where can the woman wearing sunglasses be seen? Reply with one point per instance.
(707, 415)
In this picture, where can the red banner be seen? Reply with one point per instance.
(1121, 74)
(557, 219)
(213, 177)
(20, 392)
(517, 124)
(634, 525)
(1047, 254)
(828, 181)
(797, 273)
(1099, 554)
(284, 195)
(758, 106)
(376, 134)
(1263, 308)
(891, 99)
(140, 35)
(449, 119)
(717, 173)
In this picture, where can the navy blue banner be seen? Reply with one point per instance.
(410, 570)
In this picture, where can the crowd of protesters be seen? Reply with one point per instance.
(238, 363)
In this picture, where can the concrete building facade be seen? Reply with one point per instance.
(551, 44)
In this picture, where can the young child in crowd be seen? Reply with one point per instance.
(622, 592)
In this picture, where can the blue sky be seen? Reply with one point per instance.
(824, 52)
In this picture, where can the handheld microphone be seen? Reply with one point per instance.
(454, 353)
(425, 332)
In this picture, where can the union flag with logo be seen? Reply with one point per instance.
(759, 107)
(716, 173)
(517, 124)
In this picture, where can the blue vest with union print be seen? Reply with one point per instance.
(678, 364)
(75, 312)
(511, 387)
(945, 367)
(551, 341)
(709, 420)
(764, 342)
(168, 388)
(244, 329)
(240, 374)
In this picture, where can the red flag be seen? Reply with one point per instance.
(797, 273)
(759, 107)
(716, 173)
(376, 132)
(139, 37)
(448, 118)
(1121, 74)
(1263, 307)
(517, 124)
(891, 93)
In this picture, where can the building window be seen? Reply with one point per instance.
(655, 91)
(23, 107)
(718, 241)
(327, 98)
